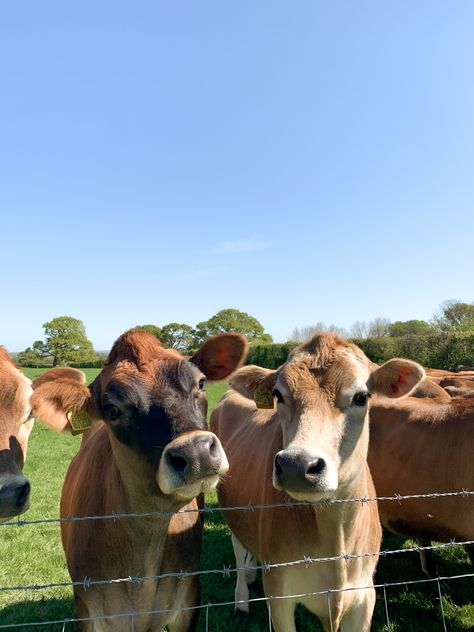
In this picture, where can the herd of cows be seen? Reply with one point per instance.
(299, 432)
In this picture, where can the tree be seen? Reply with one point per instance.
(153, 329)
(378, 327)
(29, 357)
(360, 329)
(454, 316)
(232, 320)
(409, 328)
(66, 341)
(301, 334)
(177, 336)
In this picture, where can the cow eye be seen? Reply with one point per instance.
(279, 397)
(202, 383)
(112, 412)
(360, 399)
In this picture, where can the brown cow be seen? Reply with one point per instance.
(420, 446)
(16, 423)
(428, 388)
(454, 391)
(312, 448)
(149, 451)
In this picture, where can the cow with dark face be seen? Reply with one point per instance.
(148, 450)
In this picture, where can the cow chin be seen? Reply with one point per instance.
(192, 490)
(310, 496)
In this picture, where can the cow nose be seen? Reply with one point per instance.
(294, 472)
(197, 458)
(14, 495)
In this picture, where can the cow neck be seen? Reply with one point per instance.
(340, 525)
(137, 480)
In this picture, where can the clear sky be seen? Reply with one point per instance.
(301, 161)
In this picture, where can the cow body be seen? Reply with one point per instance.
(149, 450)
(15, 427)
(420, 446)
(313, 448)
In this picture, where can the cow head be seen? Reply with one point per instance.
(153, 404)
(15, 426)
(321, 395)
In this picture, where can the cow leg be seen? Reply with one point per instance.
(427, 559)
(282, 613)
(186, 620)
(242, 557)
(359, 617)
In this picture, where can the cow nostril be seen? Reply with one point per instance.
(23, 494)
(213, 449)
(177, 462)
(316, 468)
(278, 468)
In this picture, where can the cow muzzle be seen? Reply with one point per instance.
(192, 464)
(304, 476)
(14, 495)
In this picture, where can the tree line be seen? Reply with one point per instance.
(446, 341)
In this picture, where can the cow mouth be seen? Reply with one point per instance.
(191, 490)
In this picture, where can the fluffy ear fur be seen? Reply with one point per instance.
(57, 373)
(221, 355)
(253, 378)
(395, 378)
(53, 399)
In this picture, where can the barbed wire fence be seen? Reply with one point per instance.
(88, 582)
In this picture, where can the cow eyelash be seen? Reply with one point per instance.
(29, 418)
(112, 412)
(360, 399)
(279, 397)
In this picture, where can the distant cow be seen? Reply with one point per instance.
(428, 388)
(312, 448)
(420, 446)
(149, 450)
(16, 423)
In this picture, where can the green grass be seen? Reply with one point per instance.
(32, 555)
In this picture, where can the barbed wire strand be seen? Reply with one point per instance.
(288, 504)
(87, 582)
(232, 603)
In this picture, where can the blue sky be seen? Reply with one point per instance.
(300, 161)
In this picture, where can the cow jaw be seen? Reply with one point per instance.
(191, 464)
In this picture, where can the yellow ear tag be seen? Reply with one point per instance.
(263, 397)
(79, 421)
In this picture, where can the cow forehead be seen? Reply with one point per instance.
(156, 379)
(15, 391)
(305, 373)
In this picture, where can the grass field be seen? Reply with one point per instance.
(32, 555)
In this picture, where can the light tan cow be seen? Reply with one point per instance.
(420, 446)
(149, 450)
(312, 447)
(16, 423)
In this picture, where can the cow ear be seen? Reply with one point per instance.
(255, 383)
(395, 378)
(221, 355)
(57, 373)
(63, 404)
